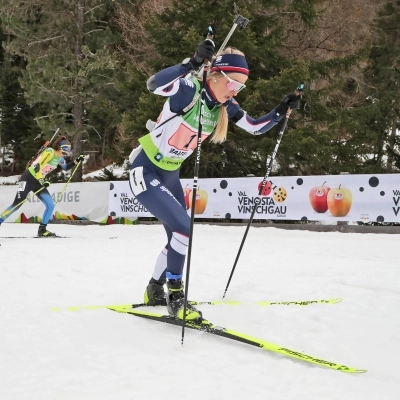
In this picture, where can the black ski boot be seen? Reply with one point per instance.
(155, 294)
(43, 232)
(176, 299)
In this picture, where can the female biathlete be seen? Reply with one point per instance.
(33, 180)
(155, 164)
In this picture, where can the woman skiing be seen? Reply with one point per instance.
(155, 164)
(33, 179)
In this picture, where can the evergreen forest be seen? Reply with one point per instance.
(82, 66)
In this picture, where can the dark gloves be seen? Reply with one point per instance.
(204, 51)
(44, 183)
(291, 101)
(80, 158)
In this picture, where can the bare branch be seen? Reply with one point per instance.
(94, 30)
(45, 40)
(98, 6)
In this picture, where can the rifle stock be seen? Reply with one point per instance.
(45, 145)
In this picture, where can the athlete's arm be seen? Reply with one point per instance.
(64, 166)
(162, 83)
(252, 125)
(171, 83)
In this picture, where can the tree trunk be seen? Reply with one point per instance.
(78, 103)
(392, 141)
(77, 141)
(2, 164)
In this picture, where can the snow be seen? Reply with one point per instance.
(9, 180)
(103, 355)
(8, 155)
(117, 171)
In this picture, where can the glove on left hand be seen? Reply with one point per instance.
(44, 183)
(205, 51)
(291, 101)
(80, 158)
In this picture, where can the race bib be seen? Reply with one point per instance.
(136, 181)
(21, 186)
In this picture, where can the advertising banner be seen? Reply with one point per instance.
(122, 202)
(80, 201)
(365, 198)
(330, 198)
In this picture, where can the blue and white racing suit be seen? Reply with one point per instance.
(154, 174)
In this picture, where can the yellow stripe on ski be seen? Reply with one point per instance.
(268, 346)
(213, 303)
(300, 303)
(76, 308)
(270, 303)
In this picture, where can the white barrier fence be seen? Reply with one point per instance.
(329, 198)
(80, 201)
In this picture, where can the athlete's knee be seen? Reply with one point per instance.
(182, 226)
(50, 207)
(179, 242)
(47, 201)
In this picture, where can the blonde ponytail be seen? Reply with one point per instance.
(221, 130)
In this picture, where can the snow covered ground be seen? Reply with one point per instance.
(9, 180)
(103, 355)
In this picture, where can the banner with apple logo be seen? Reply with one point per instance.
(316, 198)
(330, 198)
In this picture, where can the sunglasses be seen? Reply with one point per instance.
(232, 85)
(66, 150)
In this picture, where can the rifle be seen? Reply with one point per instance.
(44, 147)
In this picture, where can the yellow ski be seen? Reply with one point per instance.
(206, 326)
(213, 303)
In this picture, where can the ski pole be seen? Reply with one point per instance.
(65, 186)
(257, 201)
(11, 210)
(239, 20)
(194, 192)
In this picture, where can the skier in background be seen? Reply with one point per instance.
(155, 164)
(33, 179)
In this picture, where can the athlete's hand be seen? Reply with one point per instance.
(205, 51)
(44, 183)
(79, 158)
(291, 101)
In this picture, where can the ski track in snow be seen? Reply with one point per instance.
(103, 355)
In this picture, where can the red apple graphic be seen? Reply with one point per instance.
(267, 188)
(201, 201)
(339, 201)
(319, 198)
(187, 191)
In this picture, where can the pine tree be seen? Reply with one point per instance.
(383, 75)
(66, 45)
(17, 125)
(175, 34)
